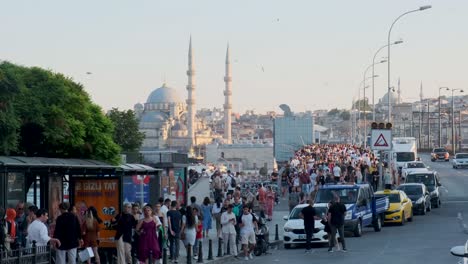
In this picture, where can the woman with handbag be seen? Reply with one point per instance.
(90, 229)
(189, 227)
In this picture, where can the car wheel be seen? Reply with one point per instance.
(403, 218)
(287, 246)
(358, 229)
(378, 224)
(410, 219)
(429, 208)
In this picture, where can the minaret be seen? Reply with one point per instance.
(227, 101)
(399, 92)
(191, 95)
(421, 96)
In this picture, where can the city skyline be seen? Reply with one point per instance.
(309, 56)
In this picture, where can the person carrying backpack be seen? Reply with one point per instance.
(230, 183)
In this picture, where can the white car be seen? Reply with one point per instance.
(413, 167)
(294, 228)
(460, 160)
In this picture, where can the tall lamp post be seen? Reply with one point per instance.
(359, 101)
(388, 54)
(440, 122)
(373, 86)
(453, 121)
(364, 81)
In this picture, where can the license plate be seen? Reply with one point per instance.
(302, 237)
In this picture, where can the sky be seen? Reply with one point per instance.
(307, 54)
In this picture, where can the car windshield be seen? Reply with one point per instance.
(296, 212)
(427, 179)
(347, 195)
(416, 165)
(462, 156)
(411, 189)
(439, 150)
(405, 156)
(392, 197)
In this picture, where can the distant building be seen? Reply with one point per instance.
(239, 157)
(290, 133)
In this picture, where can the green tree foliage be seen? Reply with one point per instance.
(363, 105)
(9, 124)
(345, 115)
(126, 133)
(333, 112)
(55, 117)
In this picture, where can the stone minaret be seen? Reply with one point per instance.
(227, 102)
(191, 95)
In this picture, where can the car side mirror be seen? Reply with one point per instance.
(286, 217)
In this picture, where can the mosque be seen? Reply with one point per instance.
(169, 122)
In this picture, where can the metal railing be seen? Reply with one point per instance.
(33, 255)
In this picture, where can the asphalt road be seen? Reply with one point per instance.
(427, 239)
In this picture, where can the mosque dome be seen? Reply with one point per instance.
(393, 98)
(138, 106)
(153, 117)
(164, 94)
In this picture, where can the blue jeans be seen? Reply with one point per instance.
(174, 246)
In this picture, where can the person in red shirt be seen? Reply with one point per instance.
(199, 234)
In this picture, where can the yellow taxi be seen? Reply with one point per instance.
(400, 209)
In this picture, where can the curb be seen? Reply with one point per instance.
(274, 244)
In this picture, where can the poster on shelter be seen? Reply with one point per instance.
(136, 188)
(180, 184)
(55, 196)
(103, 194)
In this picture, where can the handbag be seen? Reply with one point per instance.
(182, 236)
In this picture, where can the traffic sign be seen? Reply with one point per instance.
(381, 139)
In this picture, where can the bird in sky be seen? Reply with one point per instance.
(88, 73)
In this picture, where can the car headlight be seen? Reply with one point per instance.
(395, 211)
(349, 215)
(287, 229)
(420, 200)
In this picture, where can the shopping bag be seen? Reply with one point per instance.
(86, 254)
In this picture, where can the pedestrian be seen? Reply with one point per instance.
(148, 246)
(198, 232)
(68, 231)
(228, 221)
(194, 204)
(207, 209)
(309, 215)
(90, 231)
(270, 202)
(293, 199)
(3, 231)
(189, 227)
(21, 224)
(248, 226)
(124, 223)
(284, 183)
(217, 185)
(336, 215)
(216, 212)
(10, 242)
(162, 231)
(387, 179)
(37, 231)
(174, 220)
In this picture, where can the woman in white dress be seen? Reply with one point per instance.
(189, 224)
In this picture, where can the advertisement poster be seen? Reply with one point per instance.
(55, 196)
(179, 176)
(103, 194)
(136, 188)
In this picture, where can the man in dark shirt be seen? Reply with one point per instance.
(124, 223)
(68, 231)
(336, 215)
(174, 220)
(309, 215)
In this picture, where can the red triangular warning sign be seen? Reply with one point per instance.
(381, 142)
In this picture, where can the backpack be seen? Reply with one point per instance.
(233, 182)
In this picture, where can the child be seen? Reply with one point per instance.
(199, 235)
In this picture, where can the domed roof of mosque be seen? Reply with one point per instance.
(164, 94)
(153, 117)
(393, 98)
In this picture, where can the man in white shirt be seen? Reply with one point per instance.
(228, 222)
(248, 226)
(37, 230)
(229, 184)
(337, 172)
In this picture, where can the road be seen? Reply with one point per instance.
(427, 239)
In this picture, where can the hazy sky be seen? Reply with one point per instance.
(313, 53)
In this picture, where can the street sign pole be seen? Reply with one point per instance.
(381, 140)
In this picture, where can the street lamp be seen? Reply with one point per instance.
(453, 121)
(364, 81)
(440, 122)
(388, 53)
(373, 63)
(359, 98)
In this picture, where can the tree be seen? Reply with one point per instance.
(363, 105)
(126, 133)
(55, 118)
(333, 112)
(9, 124)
